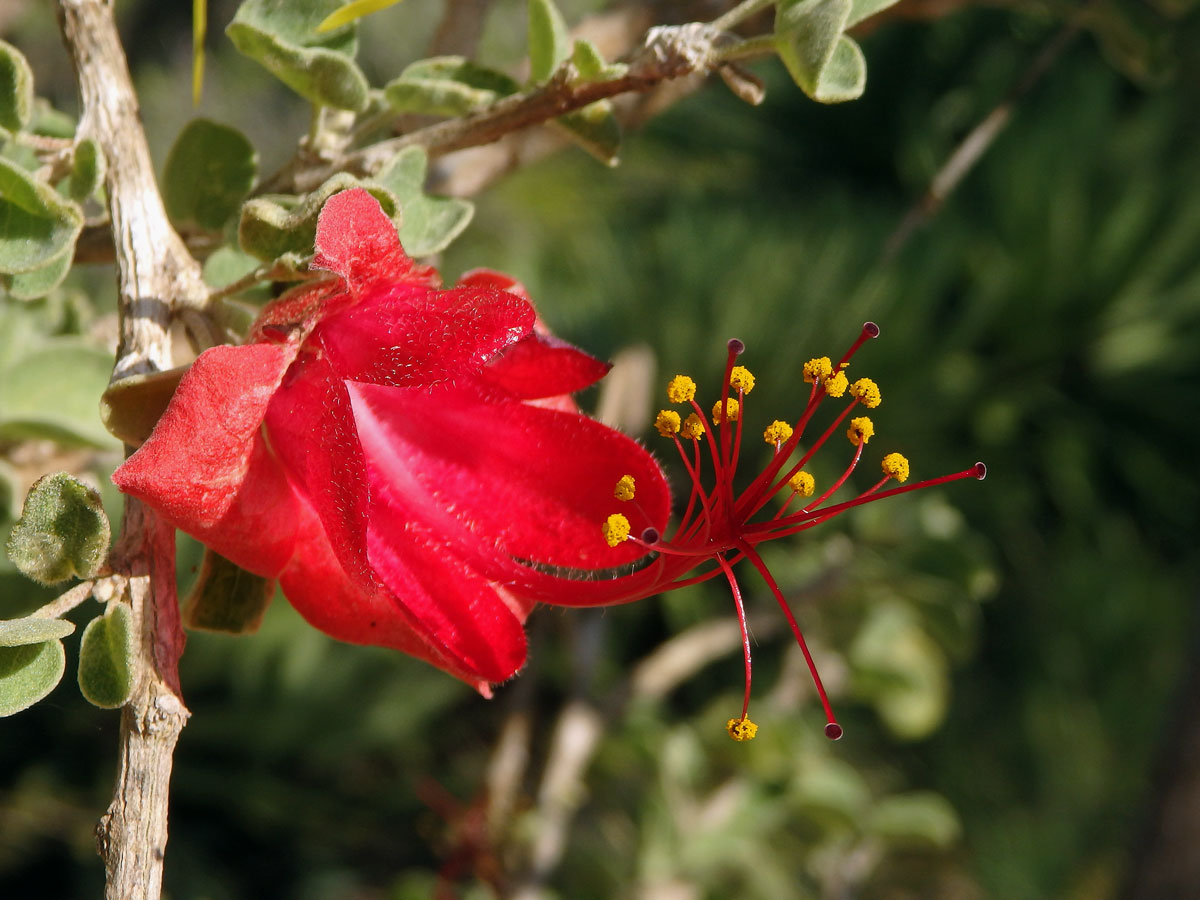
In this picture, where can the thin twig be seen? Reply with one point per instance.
(65, 602)
(972, 148)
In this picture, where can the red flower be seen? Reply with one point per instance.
(722, 525)
(398, 456)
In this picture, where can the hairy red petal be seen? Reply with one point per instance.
(542, 365)
(404, 334)
(538, 482)
(357, 240)
(206, 467)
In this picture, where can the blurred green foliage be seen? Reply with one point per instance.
(1003, 655)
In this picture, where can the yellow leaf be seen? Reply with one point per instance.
(353, 11)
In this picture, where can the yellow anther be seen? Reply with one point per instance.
(836, 385)
(895, 465)
(681, 389)
(667, 422)
(816, 369)
(740, 379)
(693, 427)
(624, 489)
(741, 729)
(867, 393)
(732, 409)
(803, 484)
(777, 432)
(861, 430)
(616, 529)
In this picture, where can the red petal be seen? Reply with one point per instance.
(542, 365)
(206, 467)
(321, 591)
(538, 482)
(311, 429)
(356, 239)
(405, 334)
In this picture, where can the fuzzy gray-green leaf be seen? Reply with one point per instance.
(549, 43)
(32, 630)
(63, 531)
(105, 658)
(28, 673)
(210, 171)
(36, 222)
(16, 88)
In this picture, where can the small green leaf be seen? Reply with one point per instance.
(283, 37)
(549, 42)
(273, 226)
(227, 598)
(32, 630)
(210, 171)
(28, 673)
(352, 12)
(864, 9)
(591, 66)
(446, 86)
(50, 392)
(87, 170)
(131, 407)
(428, 224)
(594, 128)
(63, 531)
(36, 222)
(806, 34)
(844, 76)
(39, 282)
(106, 658)
(16, 88)
(919, 819)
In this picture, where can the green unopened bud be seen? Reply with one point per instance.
(62, 533)
(227, 598)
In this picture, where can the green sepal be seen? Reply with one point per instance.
(591, 66)
(28, 673)
(16, 88)
(271, 227)
(62, 533)
(210, 171)
(283, 37)
(50, 393)
(38, 223)
(132, 406)
(594, 128)
(428, 224)
(106, 658)
(87, 170)
(549, 42)
(32, 630)
(226, 598)
(446, 86)
(827, 65)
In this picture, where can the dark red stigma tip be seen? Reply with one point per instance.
(980, 471)
(650, 536)
(736, 347)
(833, 731)
(870, 329)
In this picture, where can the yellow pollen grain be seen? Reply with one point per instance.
(861, 430)
(667, 422)
(895, 465)
(740, 379)
(867, 393)
(803, 484)
(693, 427)
(681, 389)
(741, 729)
(836, 385)
(625, 488)
(777, 432)
(817, 368)
(732, 409)
(616, 529)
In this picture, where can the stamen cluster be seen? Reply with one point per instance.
(721, 526)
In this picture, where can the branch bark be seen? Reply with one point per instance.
(155, 276)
